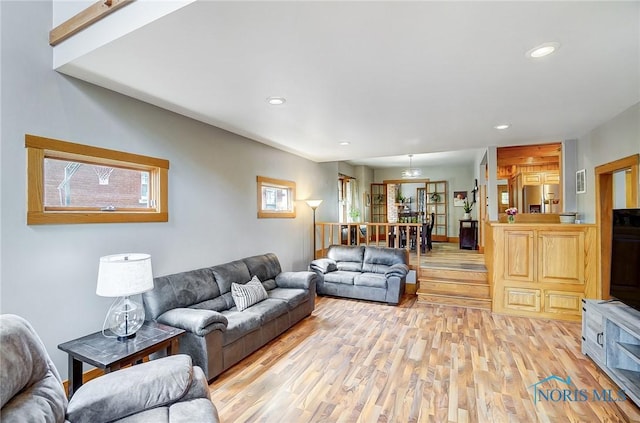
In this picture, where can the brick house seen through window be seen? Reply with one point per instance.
(73, 184)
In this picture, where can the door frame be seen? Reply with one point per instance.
(604, 206)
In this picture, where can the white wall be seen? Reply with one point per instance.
(459, 178)
(48, 272)
(612, 140)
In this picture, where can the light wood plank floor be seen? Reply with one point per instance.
(356, 361)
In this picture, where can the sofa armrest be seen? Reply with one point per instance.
(400, 270)
(323, 265)
(132, 390)
(197, 321)
(300, 280)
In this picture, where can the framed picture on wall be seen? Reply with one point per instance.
(581, 182)
(458, 198)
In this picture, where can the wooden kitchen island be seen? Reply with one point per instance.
(541, 269)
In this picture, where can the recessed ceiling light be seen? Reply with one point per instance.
(543, 50)
(503, 126)
(276, 101)
(345, 143)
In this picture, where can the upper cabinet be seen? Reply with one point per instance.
(541, 178)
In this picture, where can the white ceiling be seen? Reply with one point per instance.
(391, 78)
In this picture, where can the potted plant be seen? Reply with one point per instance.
(355, 214)
(467, 210)
(511, 214)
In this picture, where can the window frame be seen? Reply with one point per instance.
(263, 181)
(39, 148)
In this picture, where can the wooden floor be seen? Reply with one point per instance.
(356, 361)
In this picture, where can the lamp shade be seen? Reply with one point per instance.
(314, 203)
(120, 275)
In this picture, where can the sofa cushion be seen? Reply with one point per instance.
(269, 284)
(180, 290)
(293, 297)
(221, 303)
(239, 324)
(268, 309)
(246, 295)
(379, 259)
(341, 276)
(376, 280)
(228, 273)
(347, 258)
(265, 266)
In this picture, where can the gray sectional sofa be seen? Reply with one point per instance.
(218, 335)
(362, 272)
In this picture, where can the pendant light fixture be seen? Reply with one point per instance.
(411, 173)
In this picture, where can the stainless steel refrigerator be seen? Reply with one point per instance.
(541, 198)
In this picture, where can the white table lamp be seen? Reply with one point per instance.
(123, 276)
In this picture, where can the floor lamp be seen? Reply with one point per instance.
(314, 205)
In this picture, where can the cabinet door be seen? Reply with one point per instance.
(519, 255)
(561, 257)
(593, 332)
(563, 302)
(532, 179)
(552, 178)
(523, 299)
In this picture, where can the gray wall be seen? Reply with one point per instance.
(48, 273)
(613, 140)
(459, 178)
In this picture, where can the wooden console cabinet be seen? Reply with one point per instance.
(611, 337)
(541, 270)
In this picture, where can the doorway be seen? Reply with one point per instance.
(609, 177)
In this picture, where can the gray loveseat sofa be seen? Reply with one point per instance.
(362, 272)
(218, 335)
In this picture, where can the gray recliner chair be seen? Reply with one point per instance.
(170, 389)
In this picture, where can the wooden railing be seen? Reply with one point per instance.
(413, 237)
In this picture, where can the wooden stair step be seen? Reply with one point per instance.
(484, 304)
(454, 274)
(455, 288)
(482, 282)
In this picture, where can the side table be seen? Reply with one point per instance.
(468, 234)
(110, 354)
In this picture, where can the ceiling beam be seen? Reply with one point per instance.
(529, 151)
(532, 155)
(84, 19)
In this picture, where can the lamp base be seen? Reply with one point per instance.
(126, 338)
(125, 317)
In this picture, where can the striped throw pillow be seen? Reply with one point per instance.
(248, 294)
